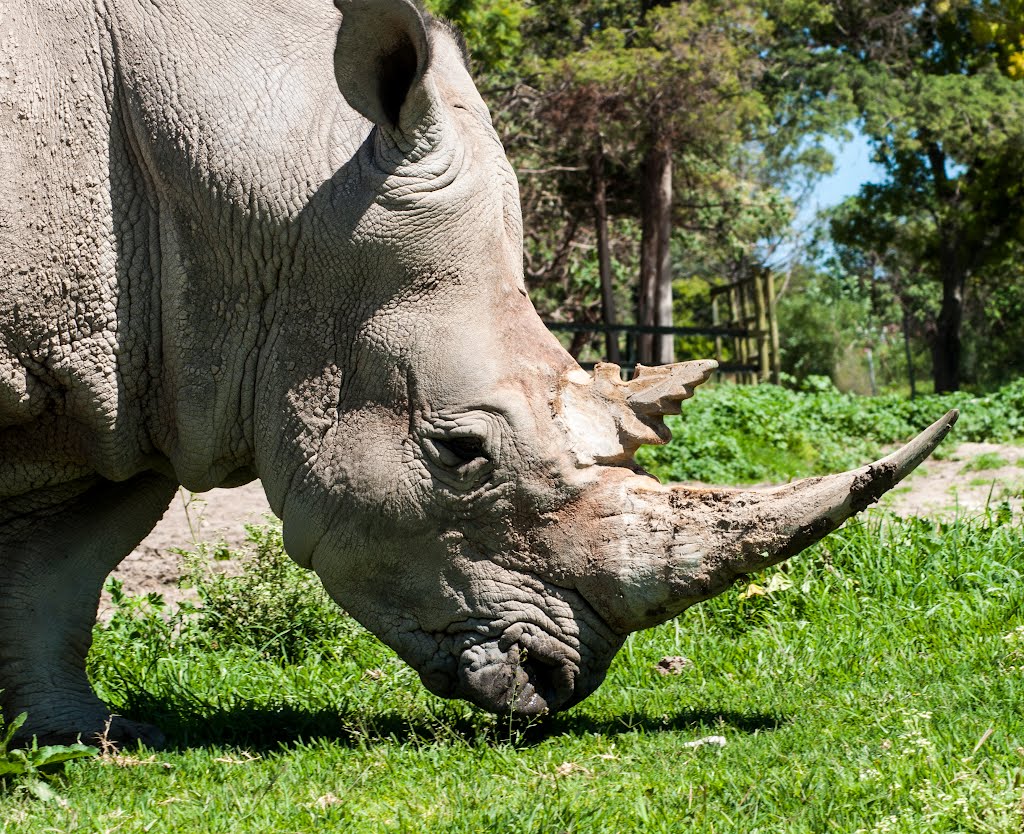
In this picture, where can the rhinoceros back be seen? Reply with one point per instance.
(159, 161)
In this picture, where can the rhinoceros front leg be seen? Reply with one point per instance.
(56, 549)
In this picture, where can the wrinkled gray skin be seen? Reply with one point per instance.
(214, 266)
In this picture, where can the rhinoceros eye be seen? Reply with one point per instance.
(460, 448)
(459, 461)
(456, 451)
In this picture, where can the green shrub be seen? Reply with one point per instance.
(733, 434)
(272, 605)
(272, 609)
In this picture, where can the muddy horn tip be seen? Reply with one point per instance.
(904, 460)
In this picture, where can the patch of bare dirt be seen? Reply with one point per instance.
(217, 515)
(964, 480)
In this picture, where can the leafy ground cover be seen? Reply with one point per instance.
(750, 434)
(875, 684)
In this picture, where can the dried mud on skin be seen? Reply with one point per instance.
(937, 488)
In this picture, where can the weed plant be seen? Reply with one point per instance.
(272, 607)
(30, 768)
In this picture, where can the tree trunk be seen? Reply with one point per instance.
(946, 342)
(654, 302)
(579, 341)
(953, 269)
(664, 345)
(648, 272)
(604, 259)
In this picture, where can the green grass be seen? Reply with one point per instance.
(877, 686)
(984, 461)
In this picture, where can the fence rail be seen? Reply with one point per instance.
(747, 324)
(739, 369)
(636, 329)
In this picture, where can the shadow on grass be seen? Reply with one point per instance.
(263, 727)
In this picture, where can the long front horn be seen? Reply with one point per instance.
(662, 549)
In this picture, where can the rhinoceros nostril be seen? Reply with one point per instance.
(539, 692)
(523, 681)
(548, 685)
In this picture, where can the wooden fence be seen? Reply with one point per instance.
(743, 323)
(748, 306)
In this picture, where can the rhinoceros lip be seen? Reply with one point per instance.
(528, 678)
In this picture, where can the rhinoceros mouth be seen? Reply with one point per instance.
(542, 651)
(528, 678)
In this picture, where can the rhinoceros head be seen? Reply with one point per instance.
(464, 489)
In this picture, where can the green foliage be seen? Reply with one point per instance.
(492, 29)
(821, 320)
(273, 606)
(682, 71)
(26, 766)
(744, 92)
(944, 116)
(731, 434)
(614, 80)
(996, 26)
(993, 349)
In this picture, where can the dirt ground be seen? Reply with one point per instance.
(963, 481)
(220, 514)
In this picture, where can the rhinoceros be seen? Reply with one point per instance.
(282, 241)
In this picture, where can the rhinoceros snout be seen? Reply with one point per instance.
(522, 681)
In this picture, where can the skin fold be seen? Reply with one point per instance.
(284, 242)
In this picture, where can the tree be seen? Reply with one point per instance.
(492, 29)
(938, 99)
(675, 86)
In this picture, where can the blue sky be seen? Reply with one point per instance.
(853, 167)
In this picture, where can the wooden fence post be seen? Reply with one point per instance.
(773, 324)
(760, 307)
(714, 323)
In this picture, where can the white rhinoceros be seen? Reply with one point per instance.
(215, 267)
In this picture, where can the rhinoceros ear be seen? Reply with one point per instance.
(382, 54)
